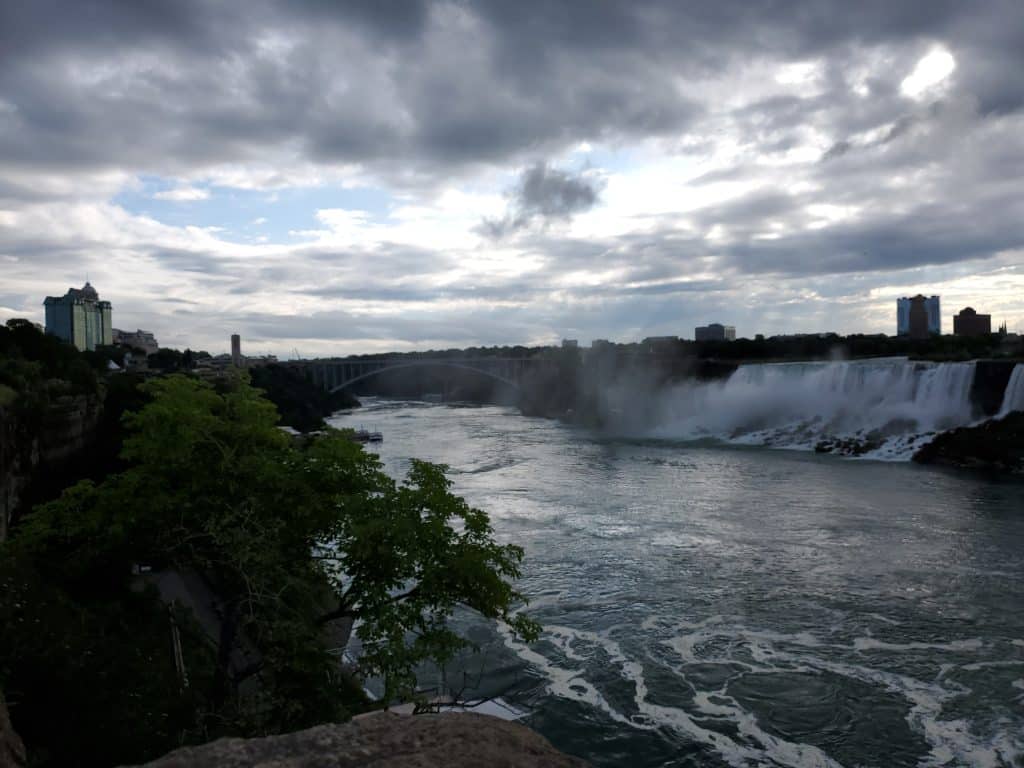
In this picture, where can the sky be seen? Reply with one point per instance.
(328, 178)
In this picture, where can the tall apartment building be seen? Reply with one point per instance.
(80, 318)
(931, 308)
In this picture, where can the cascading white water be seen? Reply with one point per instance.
(1013, 398)
(881, 408)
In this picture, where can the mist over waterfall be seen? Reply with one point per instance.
(882, 408)
(1013, 400)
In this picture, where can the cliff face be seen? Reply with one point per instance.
(384, 740)
(989, 385)
(41, 443)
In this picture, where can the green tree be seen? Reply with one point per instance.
(297, 543)
(166, 359)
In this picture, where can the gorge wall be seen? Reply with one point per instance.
(36, 447)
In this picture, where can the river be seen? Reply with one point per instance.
(712, 605)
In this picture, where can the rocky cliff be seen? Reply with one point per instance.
(384, 740)
(38, 444)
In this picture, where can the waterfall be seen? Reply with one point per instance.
(1013, 398)
(884, 408)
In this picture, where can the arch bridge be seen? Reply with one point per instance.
(337, 373)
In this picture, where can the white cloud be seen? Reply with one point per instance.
(929, 75)
(183, 194)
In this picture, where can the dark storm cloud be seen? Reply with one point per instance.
(411, 87)
(544, 194)
(553, 194)
(420, 95)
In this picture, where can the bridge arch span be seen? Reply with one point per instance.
(423, 364)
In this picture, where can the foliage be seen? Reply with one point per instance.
(29, 359)
(101, 357)
(89, 682)
(291, 538)
(169, 360)
(301, 404)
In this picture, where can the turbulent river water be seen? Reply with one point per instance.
(709, 605)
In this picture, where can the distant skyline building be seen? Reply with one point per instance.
(660, 344)
(931, 308)
(714, 332)
(236, 350)
(137, 339)
(918, 314)
(969, 323)
(80, 318)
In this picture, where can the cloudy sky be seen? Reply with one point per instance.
(378, 174)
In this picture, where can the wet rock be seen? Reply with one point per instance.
(856, 445)
(384, 740)
(994, 445)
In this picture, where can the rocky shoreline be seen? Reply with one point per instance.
(996, 445)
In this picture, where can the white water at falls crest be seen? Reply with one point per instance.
(1013, 400)
(877, 408)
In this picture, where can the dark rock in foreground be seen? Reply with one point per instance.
(996, 445)
(384, 740)
(12, 751)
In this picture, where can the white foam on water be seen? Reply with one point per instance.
(715, 640)
(881, 409)
(569, 684)
(566, 683)
(870, 643)
(951, 741)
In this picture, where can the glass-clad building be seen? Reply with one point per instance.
(80, 318)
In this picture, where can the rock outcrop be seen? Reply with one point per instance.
(58, 433)
(384, 740)
(993, 445)
(12, 751)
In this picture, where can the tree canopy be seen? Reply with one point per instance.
(298, 543)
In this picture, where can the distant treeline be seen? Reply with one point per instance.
(761, 348)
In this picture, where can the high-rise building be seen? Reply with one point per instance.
(969, 323)
(931, 308)
(714, 332)
(236, 350)
(80, 318)
(918, 318)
